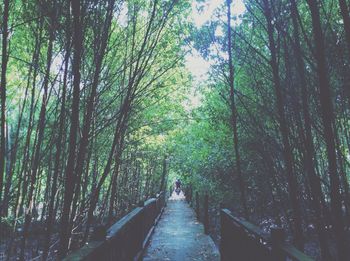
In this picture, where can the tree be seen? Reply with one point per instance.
(70, 176)
(4, 60)
(328, 119)
(234, 111)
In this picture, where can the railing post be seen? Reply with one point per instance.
(197, 205)
(170, 190)
(206, 214)
(277, 238)
(99, 233)
(227, 242)
(191, 192)
(187, 194)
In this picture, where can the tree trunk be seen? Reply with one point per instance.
(58, 158)
(4, 59)
(37, 152)
(164, 173)
(84, 142)
(327, 114)
(287, 150)
(234, 113)
(70, 178)
(316, 190)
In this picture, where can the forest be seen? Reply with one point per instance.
(100, 110)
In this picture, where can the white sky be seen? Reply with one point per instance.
(199, 67)
(209, 7)
(194, 62)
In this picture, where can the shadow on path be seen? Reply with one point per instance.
(179, 236)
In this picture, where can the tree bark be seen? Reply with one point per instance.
(315, 185)
(287, 150)
(37, 152)
(234, 113)
(84, 142)
(70, 178)
(58, 158)
(4, 60)
(327, 115)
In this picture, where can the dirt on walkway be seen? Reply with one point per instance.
(179, 236)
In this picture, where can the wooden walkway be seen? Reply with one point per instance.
(179, 236)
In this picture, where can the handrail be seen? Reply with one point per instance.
(242, 240)
(294, 253)
(127, 238)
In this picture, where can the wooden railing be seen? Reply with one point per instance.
(241, 240)
(126, 239)
(200, 205)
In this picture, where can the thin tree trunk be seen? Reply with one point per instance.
(57, 162)
(344, 10)
(164, 173)
(81, 155)
(4, 59)
(14, 148)
(316, 190)
(69, 172)
(327, 115)
(234, 113)
(113, 192)
(37, 153)
(287, 150)
(26, 155)
(115, 150)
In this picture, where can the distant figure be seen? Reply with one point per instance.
(178, 186)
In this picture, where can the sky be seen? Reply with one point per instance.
(199, 67)
(194, 62)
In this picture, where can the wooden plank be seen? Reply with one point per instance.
(253, 229)
(124, 239)
(251, 241)
(84, 252)
(294, 253)
(113, 230)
